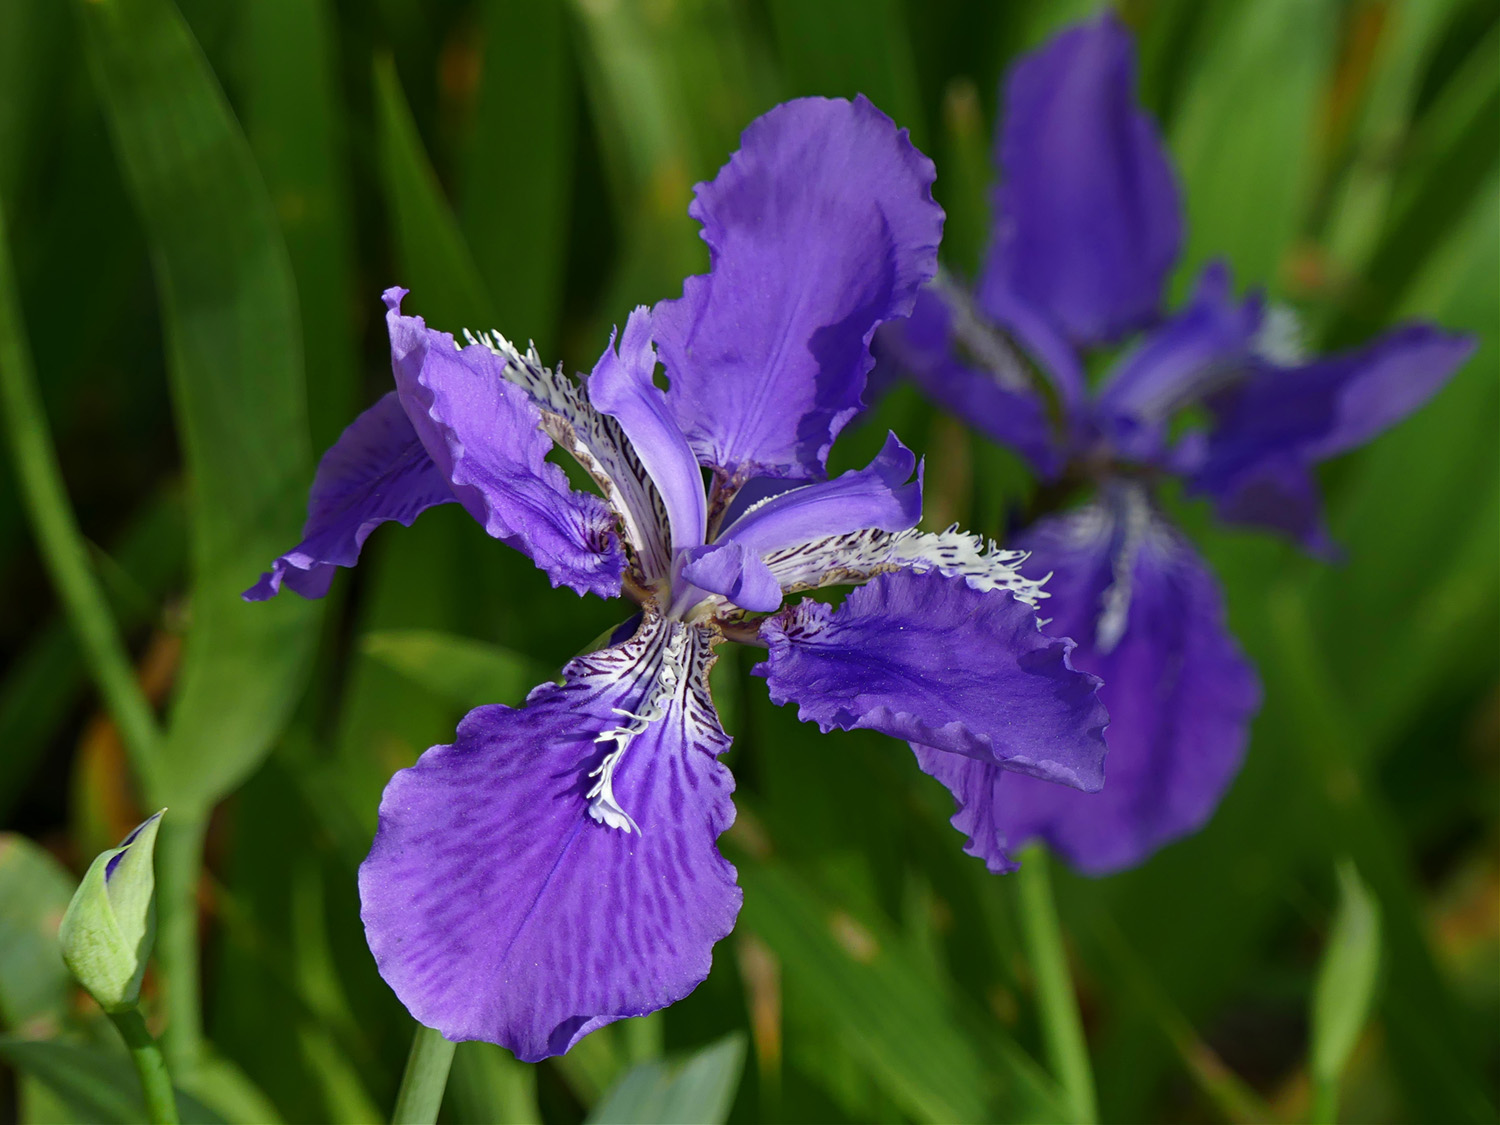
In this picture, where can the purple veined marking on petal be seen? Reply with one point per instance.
(599, 444)
(498, 908)
(928, 658)
(603, 807)
(622, 386)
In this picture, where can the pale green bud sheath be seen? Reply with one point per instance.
(106, 937)
(107, 932)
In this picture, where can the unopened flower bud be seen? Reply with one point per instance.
(107, 932)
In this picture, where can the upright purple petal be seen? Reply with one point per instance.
(925, 347)
(622, 386)
(485, 435)
(376, 471)
(1088, 214)
(555, 869)
(1270, 428)
(820, 227)
(1202, 347)
(930, 659)
(1149, 620)
(732, 571)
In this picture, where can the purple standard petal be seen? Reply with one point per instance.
(985, 390)
(484, 433)
(930, 659)
(1274, 425)
(555, 869)
(1201, 348)
(820, 227)
(376, 471)
(1149, 619)
(1088, 213)
(622, 387)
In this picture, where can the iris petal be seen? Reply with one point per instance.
(485, 434)
(1274, 425)
(622, 387)
(930, 659)
(1149, 619)
(497, 900)
(377, 471)
(820, 227)
(1089, 217)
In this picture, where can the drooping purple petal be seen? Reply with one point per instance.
(976, 788)
(485, 435)
(622, 386)
(820, 227)
(498, 899)
(930, 659)
(1270, 428)
(376, 471)
(1088, 215)
(1004, 409)
(1201, 348)
(1149, 620)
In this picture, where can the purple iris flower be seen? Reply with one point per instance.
(556, 867)
(1088, 226)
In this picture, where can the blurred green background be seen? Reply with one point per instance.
(203, 204)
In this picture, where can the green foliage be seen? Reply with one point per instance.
(203, 203)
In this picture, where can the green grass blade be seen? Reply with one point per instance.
(697, 1090)
(839, 48)
(35, 989)
(60, 539)
(889, 1014)
(1244, 138)
(1345, 989)
(235, 362)
(98, 1086)
(434, 260)
(467, 672)
(517, 183)
(295, 119)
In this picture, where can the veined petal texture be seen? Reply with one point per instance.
(377, 471)
(1088, 215)
(556, 868)
(485, 434)
(928, 658)
(622, 386)
(1149, 620)
(820, 227)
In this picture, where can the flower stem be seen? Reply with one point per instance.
(145, 1053)
(1325, 1100)
(1062, 1029)
(421, 1093)
(179, 860)
(62, 545)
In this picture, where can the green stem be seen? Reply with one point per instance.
(63, 548)
(145, 1052)
(421, 1093)
(1325, 1100)
(179, 859)
(1062, 1028)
